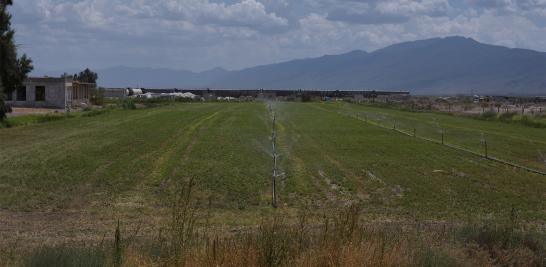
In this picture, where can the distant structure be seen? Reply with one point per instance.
(50, 92)
(285, 93)
(116, 93)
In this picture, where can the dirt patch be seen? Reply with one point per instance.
(31, 229)
(29, 111)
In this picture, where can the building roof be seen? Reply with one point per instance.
(45, 79)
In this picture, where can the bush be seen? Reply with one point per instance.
(527, 121)
(97, 96)
(128, 104)
(93, 113)
(507, 116)
(488, 115)
(50, 117)
(4, 108)
(66, 256)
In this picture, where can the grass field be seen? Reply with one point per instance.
(125, 158)
(513, 142)
(70, 179)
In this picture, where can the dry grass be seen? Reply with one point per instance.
(316, 237)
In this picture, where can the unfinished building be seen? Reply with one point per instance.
(49, 92)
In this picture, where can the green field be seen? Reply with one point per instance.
(125, 160)
(512, 142)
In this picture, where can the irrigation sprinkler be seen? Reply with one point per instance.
(274, 182)
(274, 175)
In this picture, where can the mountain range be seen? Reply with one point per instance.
(438, 66)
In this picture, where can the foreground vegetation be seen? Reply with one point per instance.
(350, 193)
(317, 237)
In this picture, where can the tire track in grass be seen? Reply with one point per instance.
(165, 163)
(319, 180)
(222, 160)
(296, 165)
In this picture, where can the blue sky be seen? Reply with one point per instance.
(202, 34)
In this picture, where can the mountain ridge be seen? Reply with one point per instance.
(436, 66)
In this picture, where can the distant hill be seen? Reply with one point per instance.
(156, 78)
(435, 66)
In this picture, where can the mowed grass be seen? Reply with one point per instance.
(517, 143)
(126, 157)
(129, 158)
(332, 157)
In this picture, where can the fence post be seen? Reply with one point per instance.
(414, 132)
(443, 131)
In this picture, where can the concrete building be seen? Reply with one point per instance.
(116, 93)
(49, 92)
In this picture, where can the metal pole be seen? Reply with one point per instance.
(273, 183)
(485, 147)
(274, 176)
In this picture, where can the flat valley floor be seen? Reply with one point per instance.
(73, 179)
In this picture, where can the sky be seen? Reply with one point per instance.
(63, 35)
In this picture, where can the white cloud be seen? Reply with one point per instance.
(201, 34)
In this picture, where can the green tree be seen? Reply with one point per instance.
(13, 70)
(86, 76)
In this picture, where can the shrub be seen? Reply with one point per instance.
(94, 113)
(128, 104)
(527, 121)
(305, 98)
(503, 241)
(49, 117)
(97, 96)
(488, 115)
(67, 256)
(507, 116)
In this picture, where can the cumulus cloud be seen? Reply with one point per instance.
(366, 17)
(201, 34)
(385, 12)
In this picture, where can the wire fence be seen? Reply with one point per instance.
(458, 139)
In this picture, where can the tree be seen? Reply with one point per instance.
(13, 70)
(86, 76)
